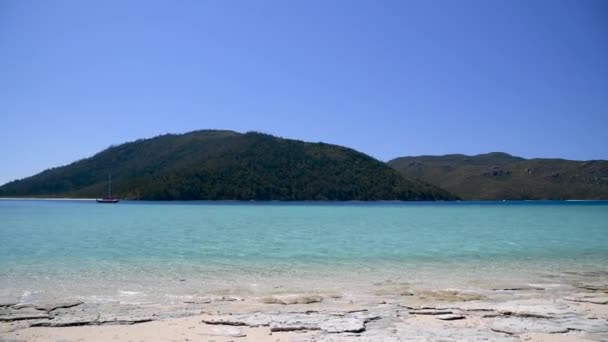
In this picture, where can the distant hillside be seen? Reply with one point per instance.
(495, 176)
(225, 165)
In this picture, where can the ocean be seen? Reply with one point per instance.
(162, 251)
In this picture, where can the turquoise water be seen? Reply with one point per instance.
(47, 247)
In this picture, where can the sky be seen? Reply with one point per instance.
(388, 78)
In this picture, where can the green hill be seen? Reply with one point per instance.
(495, 176)
(225, 165)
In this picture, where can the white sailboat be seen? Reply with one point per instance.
(109, 198)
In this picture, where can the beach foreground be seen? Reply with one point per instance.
(392, 311)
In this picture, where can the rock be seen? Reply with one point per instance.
(393, 290)
(341, 325)
(9, 314)
(594, 287)
(346, 312)
(9, 327)
(225, 331)
(520, 288)
(601, 300)
(449, 317)
(492, 315)
(65, 322)
(430, 312)
(48, 307)
(298, 321)
(198, 300)
(71, 321)
(7, 304)
(447, 333)
(22, 306)
(451, 296)
(399, 330)
(367, 316)
(24, 316)
(521, 314)
(585, 325)
(253, 320)
(125, 320)
(294, 323)
(329, 324)
(533, 309)
(292, 299)
(228, 299)
(423, 307)
(517, 325)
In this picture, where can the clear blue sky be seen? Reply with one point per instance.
(389, 78)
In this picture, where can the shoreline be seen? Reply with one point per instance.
(44, 199)
(394, 312)
(473, 201)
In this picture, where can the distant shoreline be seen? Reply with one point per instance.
(302, 201)
(44, 199)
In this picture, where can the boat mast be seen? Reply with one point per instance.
(109, 185)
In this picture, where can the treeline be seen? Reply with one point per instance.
(500, 176)
(225, 165)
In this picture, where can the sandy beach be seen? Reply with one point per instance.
(390, 311)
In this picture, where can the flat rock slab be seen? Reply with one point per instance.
(125, 320)
(294, 324)
(594, 287)
(517, 325)
(408, 332)
(450, 334)
(297, 321)
(341, 325)
(254, 320)
(65, 322)
(430, 312)
(20, 306)
(519, 288)
(292, 299)
(6, 304)
(451, 296)
(601, 300)
(199, 300)
(450, 317)
(337, 325)
(76, 321)
(24, 316)
(48, 307)
(538, 309)
(585, 325)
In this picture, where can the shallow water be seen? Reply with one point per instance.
(157, 251)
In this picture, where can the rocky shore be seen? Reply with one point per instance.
(393, 311)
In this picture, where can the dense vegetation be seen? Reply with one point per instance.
(225, 165)
(495, 176)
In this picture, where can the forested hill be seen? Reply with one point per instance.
(225, 165)
(497, 176)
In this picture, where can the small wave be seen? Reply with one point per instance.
(129, 293)
(97, 299)
(545, 285)
(27, 297)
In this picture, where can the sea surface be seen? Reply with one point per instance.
(160, 252)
